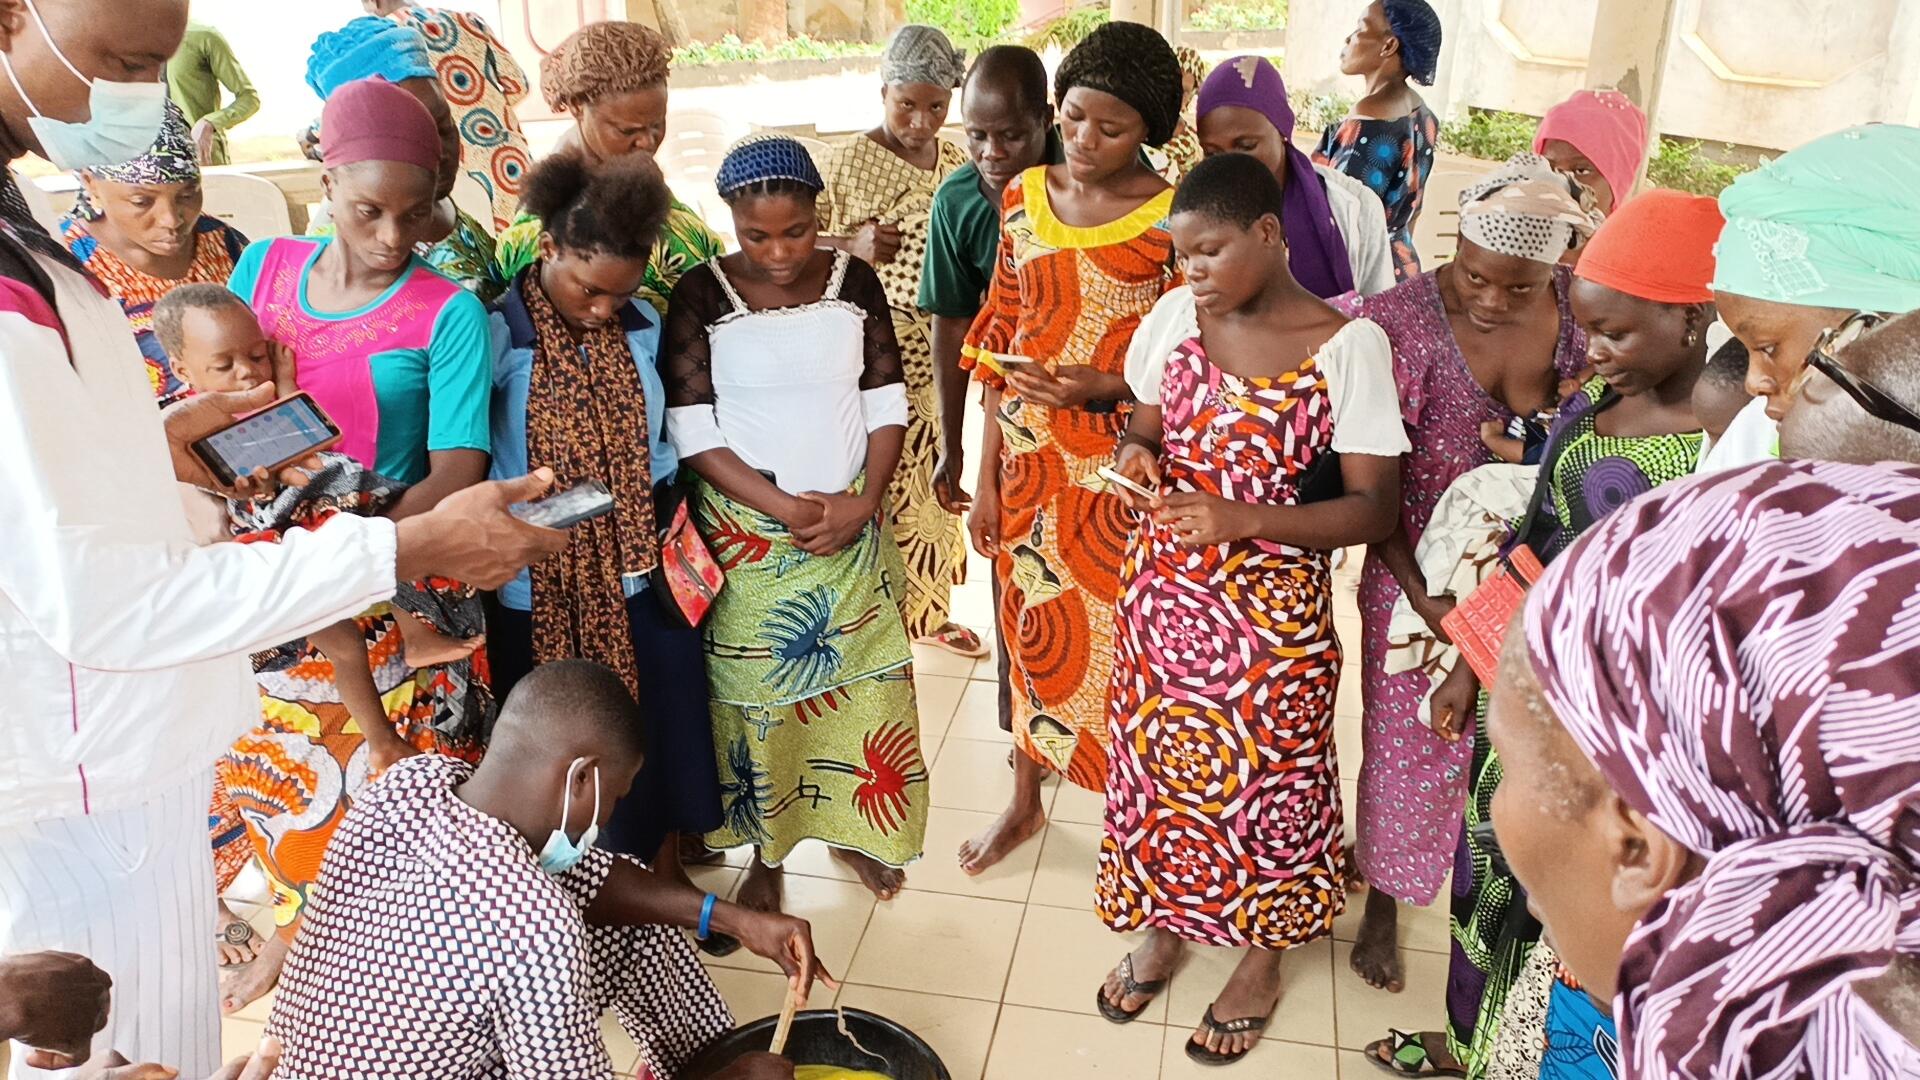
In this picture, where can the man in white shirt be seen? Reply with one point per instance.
(123, 642)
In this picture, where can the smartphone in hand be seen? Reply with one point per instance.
(1119, 479)
(584, 501)
(284, 432)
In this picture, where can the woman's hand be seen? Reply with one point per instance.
(983, 522)
(1433, 609)
(876, 242)
(841, 518)
(1068, 386)
(1198, 519)
(1454, 702)
(1142, 466)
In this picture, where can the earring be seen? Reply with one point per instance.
(1693, 338)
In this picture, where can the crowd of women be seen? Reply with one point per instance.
(1210, 360)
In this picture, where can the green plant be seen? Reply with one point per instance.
(1318, 112)
(1489, 134)
(972, 24)
(1684, 166)
(731, 50)
(1068, 30)
(1240, 15)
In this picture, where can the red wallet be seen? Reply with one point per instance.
(1478, 624)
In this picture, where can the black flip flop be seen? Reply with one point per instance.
(1129, 987)
(718, 944)
(1204, 1056)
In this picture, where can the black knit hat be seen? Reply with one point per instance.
(1133, 63)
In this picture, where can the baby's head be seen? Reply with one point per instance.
(212, 339)
(1721, 391)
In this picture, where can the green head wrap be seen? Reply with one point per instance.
(1835, 224)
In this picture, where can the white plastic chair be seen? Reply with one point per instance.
(48, 206)
(696, 143)
(256, 207)
(471, 197)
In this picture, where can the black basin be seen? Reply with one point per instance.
(816, 1040)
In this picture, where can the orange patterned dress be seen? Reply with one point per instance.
(1063, 294)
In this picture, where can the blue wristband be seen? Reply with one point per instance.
(706, 916)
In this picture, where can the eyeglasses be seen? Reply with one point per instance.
(1877, 402)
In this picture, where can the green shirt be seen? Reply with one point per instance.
(203, 65)
(963, 239)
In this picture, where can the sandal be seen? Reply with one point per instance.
(1199, 1052)
(718, 944)
(1129, 987)
(959, 641)
(240, 934)
(1407, 1055)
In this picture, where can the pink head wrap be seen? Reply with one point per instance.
(374, 120)
(1605, 126)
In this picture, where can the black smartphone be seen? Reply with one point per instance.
(276, 436)
(564, 509)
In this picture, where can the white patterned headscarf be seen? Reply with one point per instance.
(1739, 656)
(1525, 209)
(922, 54)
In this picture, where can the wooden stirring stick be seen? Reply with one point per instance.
(785, 1025)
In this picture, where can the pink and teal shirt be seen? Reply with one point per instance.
(406, 375)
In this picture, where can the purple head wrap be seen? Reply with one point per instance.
(1739, 656)
(1316, 252)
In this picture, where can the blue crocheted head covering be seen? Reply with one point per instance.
(759, 158)
(367, 48)
(1418, 29)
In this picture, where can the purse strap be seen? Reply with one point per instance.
(1548, 462)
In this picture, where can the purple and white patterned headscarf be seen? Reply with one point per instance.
(1739, 655)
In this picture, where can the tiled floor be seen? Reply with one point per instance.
(999, 972)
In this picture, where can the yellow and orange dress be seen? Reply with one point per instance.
(1063, 294)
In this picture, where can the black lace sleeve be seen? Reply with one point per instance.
(686, 365)
(862, 286)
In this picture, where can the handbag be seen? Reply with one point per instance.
(688, 577)
(1477, 625)
(1322, 480)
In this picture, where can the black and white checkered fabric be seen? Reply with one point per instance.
(435, 948)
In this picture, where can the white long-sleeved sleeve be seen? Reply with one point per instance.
(110, 591)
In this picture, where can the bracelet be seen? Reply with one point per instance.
(706, 917)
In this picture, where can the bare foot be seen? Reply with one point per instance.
(1152, 962)
(1252, 992)
(1376, 950)
(764, 887)
(238, 941)
(695, 852)
(248, 983)
(883, 881)
(427, 647)
(1016, 825)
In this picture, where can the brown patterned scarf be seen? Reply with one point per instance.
(587, 420)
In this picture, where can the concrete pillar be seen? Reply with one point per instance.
(1629, 53)
(1138, 11)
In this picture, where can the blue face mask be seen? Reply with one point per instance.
(560, 853)
(126, 117)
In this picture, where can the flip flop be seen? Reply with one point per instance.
(718, 944)
(1407, 1055)
(1129, 987)
(1199, 1052)
(959, 641)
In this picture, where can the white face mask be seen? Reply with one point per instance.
(561, 853)
(125, 117)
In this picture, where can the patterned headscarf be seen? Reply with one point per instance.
(1835, 223)
(1607, 128)
(1525, 209)
(1191, 63)
(1417, 27)
(367, 48)
(757, 159)
(172, 160)
(1739, 656)
(602, 59)
(1133, 63)
(922, 54)
(1316, 251)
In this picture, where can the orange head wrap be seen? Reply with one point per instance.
(1657, 246)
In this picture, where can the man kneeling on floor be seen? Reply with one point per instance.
(465, 925)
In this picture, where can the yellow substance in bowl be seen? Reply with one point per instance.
(834, 1072)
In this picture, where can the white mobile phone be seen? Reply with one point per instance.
(1114, 476)
(565, 509)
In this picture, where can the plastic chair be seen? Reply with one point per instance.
(690, 157)
(250, 204)
(48, 206)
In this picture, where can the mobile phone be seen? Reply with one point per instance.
(1114, 476)
(564, 509)
(276, 436)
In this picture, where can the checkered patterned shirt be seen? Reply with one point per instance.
(435, 948)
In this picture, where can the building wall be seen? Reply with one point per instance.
(1766, 73)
